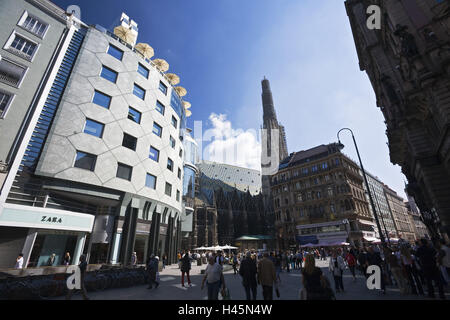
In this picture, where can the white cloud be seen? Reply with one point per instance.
(235, 147)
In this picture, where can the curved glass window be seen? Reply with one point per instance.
(189, 182)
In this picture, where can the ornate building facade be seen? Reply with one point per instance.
(319, 198)
(407, 62)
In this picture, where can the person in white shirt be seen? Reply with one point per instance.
(214, 278)
(19, 261)
(337, 266)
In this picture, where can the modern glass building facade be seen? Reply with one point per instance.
(94, 177)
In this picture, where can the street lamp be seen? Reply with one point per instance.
(367, 185)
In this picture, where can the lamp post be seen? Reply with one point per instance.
(367, 185)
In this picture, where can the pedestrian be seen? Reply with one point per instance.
(266, 276)
(164, 261)
(445, 252)
(427, 260)
(19, 262)
(440, 247)
(277, 266)
(300, 259)
(133, 260)
(323, 254)
(214, 279)
(235, 263)
(152, 269)
(396, 270)
(351, 262)
(248, 271)
(82, 266)
(185, 268)
(337, 266)
(219, 258)
(374, 258)
(66, 260)
(409, 269)
(287, 261)
(362, 261)
(51, 259)
(179, 260)
(315, 284)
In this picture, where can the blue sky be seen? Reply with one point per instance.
(222, 49)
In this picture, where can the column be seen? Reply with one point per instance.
(206, 226)
(128, 235)
(28, 246)
(78, 248)
(115, 248)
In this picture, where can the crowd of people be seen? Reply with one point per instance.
(416, 269)
(413, 269)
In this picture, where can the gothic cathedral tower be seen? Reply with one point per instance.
(273, 140)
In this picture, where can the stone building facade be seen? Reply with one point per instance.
(407, 62)
(420, 229)
(319, 198)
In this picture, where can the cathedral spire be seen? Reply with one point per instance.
(267, 101)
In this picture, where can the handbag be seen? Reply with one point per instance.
(225, 294)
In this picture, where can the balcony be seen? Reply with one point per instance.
(9, 79)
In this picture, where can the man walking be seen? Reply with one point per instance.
(214, 279)
(266, 276)
(83, 266)
(427, 260)
(248, 272)
(152, 268)
(374, 258)
(362, 260)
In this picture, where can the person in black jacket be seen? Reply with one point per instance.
(427, 260)
(185, 268)
(374, 258)
(248, 272)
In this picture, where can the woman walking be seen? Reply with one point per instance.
(185, 268)
(351, 262)
(315, 285)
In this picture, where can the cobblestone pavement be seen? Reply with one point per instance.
(170, 288)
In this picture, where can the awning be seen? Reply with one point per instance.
(368, 223)
(370, 239)
(391, 240)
